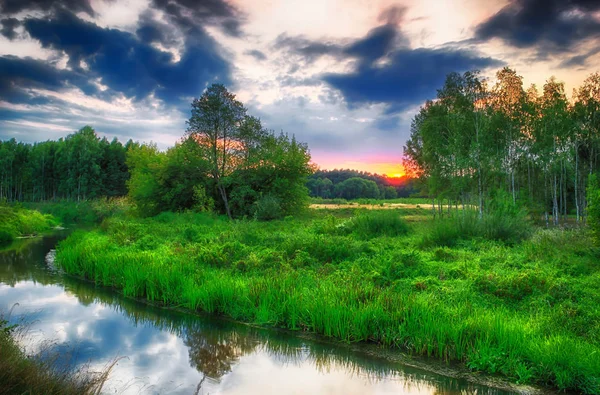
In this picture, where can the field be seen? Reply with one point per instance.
(503, 298)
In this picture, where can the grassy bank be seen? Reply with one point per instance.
(524, 309)
(23, 374)
(16, 221)
(86, 212)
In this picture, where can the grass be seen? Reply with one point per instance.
(16, 221)
(43, 373)
(524, 307)
(87, 212)
(466, 225)
(425, 202)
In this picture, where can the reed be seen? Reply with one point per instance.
(526, 310)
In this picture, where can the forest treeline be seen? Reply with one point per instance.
(477, 138)
(353, 184)
(226, 161)
(79, 167)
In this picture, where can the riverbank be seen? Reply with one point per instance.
(527, 311)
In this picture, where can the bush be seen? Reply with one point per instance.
(267, 208)
(505, 224)
(378, 223)
(5, 238)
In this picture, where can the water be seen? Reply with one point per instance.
(171, 352)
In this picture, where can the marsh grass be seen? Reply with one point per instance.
(526, 309)
(464, 225)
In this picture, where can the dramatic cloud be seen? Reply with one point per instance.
(551, 25)
(187, 14)
(8, 27)
(128, 65)
(410, 77)
(11, 7)
(19, 75)
(387, 71)
(346, 80)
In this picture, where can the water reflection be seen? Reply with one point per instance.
(169, 351)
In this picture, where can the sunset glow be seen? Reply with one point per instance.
(344, 77)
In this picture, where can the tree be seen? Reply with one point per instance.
(356, 187)
(215, 124)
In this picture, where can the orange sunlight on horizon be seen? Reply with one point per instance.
(389, 169)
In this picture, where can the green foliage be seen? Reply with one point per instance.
(504, 222)
(593, 208)
(356, 187)
(268, 208)
(17, 221)
(476, 138)
(79, 167)
(6, 237)
(378, 223)
(527, 311)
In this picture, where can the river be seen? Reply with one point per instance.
(167, 351)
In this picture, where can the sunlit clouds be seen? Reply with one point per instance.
(344, 76)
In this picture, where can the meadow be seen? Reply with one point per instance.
(499, 295)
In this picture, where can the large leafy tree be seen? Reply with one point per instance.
(217, 117)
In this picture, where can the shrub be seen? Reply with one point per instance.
(593, 209)
(268, 208)
(5, 238)
(503, 226)
(378, 223)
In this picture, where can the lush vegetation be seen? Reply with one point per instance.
(476, 282)
(476, 139)
(41, 374)
(352, 184)
(17, 222)
(501, 302)
(78, 167)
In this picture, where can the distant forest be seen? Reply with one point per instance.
(352, 184)
(79, 167)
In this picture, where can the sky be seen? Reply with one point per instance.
(344, 76)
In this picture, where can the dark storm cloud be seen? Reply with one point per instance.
(8, 27)
(553, 26)
(187, 14)
(410, 77)
(11, 7)
(256, 54)
(405, 77)
(377, 43)
(129, 65)
(18, 75)
(307, 49)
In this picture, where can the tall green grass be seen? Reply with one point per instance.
(526, 310)
(464, 225)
